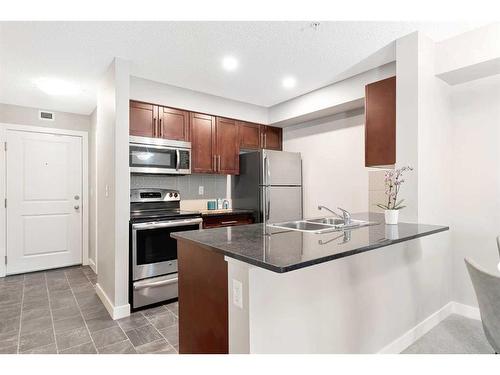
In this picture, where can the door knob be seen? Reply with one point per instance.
(76, 207)
(77, 197)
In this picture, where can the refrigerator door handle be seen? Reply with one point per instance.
(268, 204)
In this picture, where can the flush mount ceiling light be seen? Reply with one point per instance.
(230, 63)
(289, 82)
(59, 87)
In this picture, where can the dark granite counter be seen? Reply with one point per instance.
(227, 211)
(283, 251)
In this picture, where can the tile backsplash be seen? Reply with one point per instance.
(214, 186)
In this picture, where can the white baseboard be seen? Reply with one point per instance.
(116, 312)
(93, 266)
(470, 312)
(408, 338)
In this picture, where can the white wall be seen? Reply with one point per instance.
(14, 114)
(333, 162)
(93, 192)
(178, 97)
(468, 56)
(475, 179)
(113, 182)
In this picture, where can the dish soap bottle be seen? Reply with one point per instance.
(219, 203)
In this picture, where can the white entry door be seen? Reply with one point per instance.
(44, 201)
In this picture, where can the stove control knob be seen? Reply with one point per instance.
(176, 195)
(170, 195)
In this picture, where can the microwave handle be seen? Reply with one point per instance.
(178, 159)
(166, 224)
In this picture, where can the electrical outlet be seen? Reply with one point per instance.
(237, 293)
(201, 189)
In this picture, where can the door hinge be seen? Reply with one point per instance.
(6, 260)
(5, 146)
(5, 202)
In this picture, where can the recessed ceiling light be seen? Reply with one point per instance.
(54, 86)
(230, 63)
(289, 82)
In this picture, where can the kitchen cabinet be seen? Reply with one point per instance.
(173, 124)
(143, 118)
(227, 220)
(250, 135)
(203, 143)
(380, 123)
(271, 137)
(227, 146)
(215, 144)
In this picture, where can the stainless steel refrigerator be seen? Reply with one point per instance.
(270, 183)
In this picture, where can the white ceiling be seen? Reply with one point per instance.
(188, 54)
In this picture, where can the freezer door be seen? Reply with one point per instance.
(281, 168)
(281, 203)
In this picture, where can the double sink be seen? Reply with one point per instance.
(322, 225)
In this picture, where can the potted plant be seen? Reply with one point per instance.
(393, 181)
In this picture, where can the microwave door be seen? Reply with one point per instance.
(145, 159)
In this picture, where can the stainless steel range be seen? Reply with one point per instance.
(154, 215)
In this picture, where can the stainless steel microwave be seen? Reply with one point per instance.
(159, 156)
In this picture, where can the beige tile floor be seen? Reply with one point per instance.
(58, 311)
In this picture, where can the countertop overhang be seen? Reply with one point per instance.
(283, 251)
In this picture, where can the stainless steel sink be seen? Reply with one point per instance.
(321, 225)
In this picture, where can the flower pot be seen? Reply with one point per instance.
(391, 217)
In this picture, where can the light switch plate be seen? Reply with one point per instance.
(201, 190)
(237, 293)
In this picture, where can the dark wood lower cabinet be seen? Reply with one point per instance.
(203, 300)
(227, 220)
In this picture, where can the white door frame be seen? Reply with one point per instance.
(3, 186)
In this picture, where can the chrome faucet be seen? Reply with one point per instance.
(346, 216)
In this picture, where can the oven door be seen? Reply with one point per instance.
(154, 252)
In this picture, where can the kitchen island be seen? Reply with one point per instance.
(260, 289)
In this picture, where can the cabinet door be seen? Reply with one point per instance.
(203, 143)
(228, 146)
(272, 138)
(380, 123)
(250, 135)
(143, 119)
(173, 124)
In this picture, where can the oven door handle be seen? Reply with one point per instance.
(166, 224)
(155, 284)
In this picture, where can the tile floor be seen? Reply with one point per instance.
(58, 311)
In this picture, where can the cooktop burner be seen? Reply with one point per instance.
(156, 204)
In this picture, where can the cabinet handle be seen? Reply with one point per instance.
(229, 222)
(214, 162)
(218, 157)
(154, 126)
(265, 140)
(160, 129)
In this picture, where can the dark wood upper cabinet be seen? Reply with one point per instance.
(228, 146)
(271, 138)
(173, 124)
(143, 119)
(250, 135)
(380, 123)
(203, 145)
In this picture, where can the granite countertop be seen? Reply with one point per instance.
(283, 251)
(227, 211)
